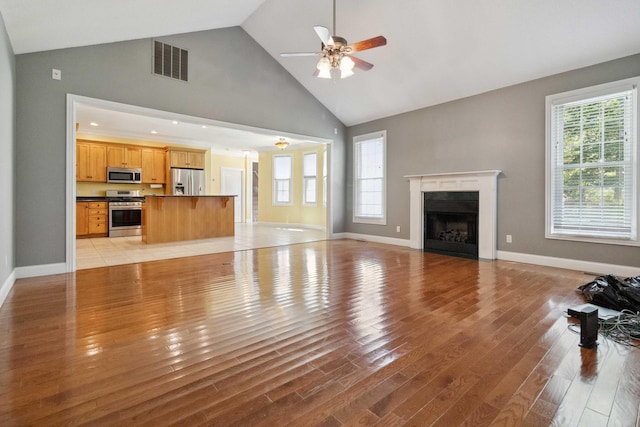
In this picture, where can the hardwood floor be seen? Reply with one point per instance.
(325, 333)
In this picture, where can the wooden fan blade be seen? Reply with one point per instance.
(301, 53)
(367, 44)
(359, 63)
(324, 34)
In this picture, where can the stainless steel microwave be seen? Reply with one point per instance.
(124, 175)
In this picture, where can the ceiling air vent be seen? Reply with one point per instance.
(170, 61)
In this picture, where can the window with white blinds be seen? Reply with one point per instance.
(282, 171)
(592, 171)
(369, 154)
(310, 178)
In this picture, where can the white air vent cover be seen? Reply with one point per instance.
(170, 61)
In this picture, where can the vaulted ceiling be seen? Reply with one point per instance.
(437, 51)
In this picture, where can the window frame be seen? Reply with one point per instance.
(585, 94)
(307, 178)
(274, 187)
(382, 219)
(324, 177)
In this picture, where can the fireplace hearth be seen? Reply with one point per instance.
(451, 223)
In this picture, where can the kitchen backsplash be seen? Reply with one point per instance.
(87, 189)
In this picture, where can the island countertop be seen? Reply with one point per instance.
(183, 195)
(173, 218)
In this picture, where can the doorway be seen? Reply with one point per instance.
(232, 183)
(74, 102)
(255, 175)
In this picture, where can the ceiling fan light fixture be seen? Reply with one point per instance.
(334, 51)
(325, 74)
(324, 68)
(282, 144)
(346, 73)
(346, 67)
(346, 64)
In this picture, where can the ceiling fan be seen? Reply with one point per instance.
(336, 52)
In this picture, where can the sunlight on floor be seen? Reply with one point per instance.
(102, 252)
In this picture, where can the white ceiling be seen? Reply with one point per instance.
(437, 50)
(174, 129)
(442, 50)
(36, 25)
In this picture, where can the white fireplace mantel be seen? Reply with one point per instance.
(485, 182)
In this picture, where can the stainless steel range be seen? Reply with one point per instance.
(125, 213)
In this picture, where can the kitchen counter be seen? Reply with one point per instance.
(90, 199)
(173, 218)
(182, 195)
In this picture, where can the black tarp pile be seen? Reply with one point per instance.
(610, 291)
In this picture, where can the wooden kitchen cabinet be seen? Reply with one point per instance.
(153, 166)
(91, 162)
(124, 156)
(82, 219)
(186, 159)
(92, 219)
(178, 218)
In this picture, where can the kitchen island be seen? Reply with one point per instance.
(167, 218)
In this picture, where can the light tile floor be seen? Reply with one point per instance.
(102, 252)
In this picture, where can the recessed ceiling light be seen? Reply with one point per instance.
(94, 124)
(175, 122)
(154, 132)
(203, 127)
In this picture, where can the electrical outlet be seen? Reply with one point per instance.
(397, 229)
(509, 238)
(56, 74)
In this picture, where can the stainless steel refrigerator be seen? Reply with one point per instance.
(189, 182)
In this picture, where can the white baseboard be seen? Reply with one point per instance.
(7, 286)
(40, 270)
(596, 268)
(376, 239)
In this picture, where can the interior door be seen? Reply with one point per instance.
(232, 183)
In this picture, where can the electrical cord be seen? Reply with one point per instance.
(623, 329)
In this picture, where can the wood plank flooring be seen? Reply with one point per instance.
(331, 333)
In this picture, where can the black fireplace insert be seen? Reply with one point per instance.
(451, 223)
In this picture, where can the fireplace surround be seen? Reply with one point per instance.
(484, 182)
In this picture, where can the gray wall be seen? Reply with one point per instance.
(231, 78)
(7, 158)
(502, 129)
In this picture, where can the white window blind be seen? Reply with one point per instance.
(593, 164)
(282, 171)
(369, 175)
(310, 178)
